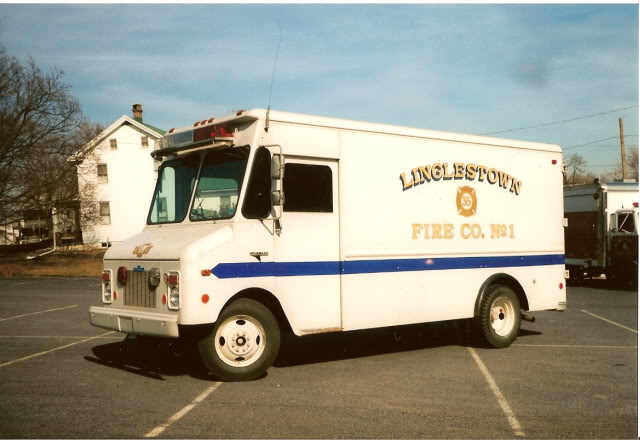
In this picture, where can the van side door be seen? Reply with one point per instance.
(307, 250)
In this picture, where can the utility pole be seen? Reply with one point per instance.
(624, 161)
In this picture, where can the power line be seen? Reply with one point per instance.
(561, 122)
(599, 140)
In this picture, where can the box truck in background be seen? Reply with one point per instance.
(263, 222)
(602, 231)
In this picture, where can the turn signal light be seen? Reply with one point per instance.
(122, 275)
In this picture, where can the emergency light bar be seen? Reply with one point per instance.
(216, 135)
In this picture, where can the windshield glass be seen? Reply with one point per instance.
(218, 187)
(173, 190)
(217, 190)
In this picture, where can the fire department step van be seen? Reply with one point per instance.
(266, 221)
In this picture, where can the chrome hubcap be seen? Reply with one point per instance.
(503, 316)
(240, 341)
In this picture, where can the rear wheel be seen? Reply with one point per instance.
(498, 322)
(243, 343)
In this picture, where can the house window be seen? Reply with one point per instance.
(114, 144)
(145, 141)
(102, 173)
(105, 213)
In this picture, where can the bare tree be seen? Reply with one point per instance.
(84, 147)
(632, 163)
(575, 172)
(38, 118)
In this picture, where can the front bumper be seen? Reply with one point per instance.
(134, 321)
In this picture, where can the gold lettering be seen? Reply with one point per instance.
(448, 231)
(472, 170)
(417, 180)
(504, 179)
(416, 230)
(405, 184)
(492, 176)
(482, 171)
(436, 231)
(425, 172)
(447, 175)
(437, 171)
(515, 186)
(458, 170)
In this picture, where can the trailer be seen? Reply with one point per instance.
(264, 222)
(602, 231)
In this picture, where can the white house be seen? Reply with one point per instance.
(116, 178)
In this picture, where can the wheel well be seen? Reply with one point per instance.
(268, 300)
(505, 280)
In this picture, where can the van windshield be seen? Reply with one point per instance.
(219, 184)
(216, 191)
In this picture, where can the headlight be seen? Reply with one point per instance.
(106, 292)
(154, 278)
(174, 298)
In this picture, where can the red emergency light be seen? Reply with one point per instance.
(636, 204)
(210, 133)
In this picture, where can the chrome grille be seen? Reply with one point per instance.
(136, 291)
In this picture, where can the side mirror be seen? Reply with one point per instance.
(277, 171)
(276, 167)
(277, 198)
(257, 202)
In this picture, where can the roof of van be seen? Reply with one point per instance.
(346, 124)
(589, 188)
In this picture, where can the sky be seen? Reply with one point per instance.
(472, 68)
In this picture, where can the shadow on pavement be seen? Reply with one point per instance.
(156, 358)
(150, 357)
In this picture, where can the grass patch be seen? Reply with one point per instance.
(62, 263)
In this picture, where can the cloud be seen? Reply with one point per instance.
(467, 68)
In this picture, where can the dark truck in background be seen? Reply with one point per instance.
(601, 233)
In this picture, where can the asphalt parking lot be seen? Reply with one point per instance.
(569, 375)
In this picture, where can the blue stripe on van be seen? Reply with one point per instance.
(311, 268)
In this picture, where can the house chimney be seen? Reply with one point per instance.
(137, 112)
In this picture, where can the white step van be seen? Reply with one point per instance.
(264, 221)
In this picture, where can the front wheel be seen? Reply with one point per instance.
(243, 343)
(499, 319)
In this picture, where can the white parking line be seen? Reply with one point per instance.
(629, 347)
(55, 337)
(52, 350)
(177, 416)
(609, 321)
(506, 409)
(37, 313)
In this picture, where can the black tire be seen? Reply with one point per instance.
(243, 343)
(498, 321)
